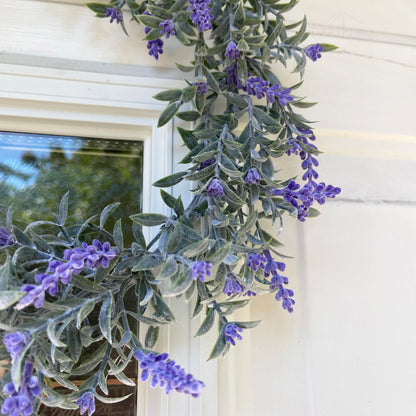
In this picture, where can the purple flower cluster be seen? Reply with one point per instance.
(206, 163)
(232, 286)
(256, 260)
(91, 256)
(314, 51)
(202, 87)
(86, 403)
(303, 198)
(231, 52)
(20, 401)
(201, 270)
(167, 27)
(114, 14)
(5, 238)
(232, 76)
(167, 374)
(215, 189)
(249, 293)
(258, 87)
(277, 281)
(15, 342)
(201, 14)
(253, 177)
(231, 333)
(155, 46)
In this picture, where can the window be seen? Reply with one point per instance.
(80, 104)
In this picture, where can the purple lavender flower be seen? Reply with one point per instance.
(272, 266)
(308, 164)
(167, 374)
(215, 189)
(294, 147)
(249, 293)
(256, 260)
(35, 296)
(231, 51)
(253, 177)
(232, 76)
(202, 87)
(15, 342)
(284, 96)
(20, 402)
(231, 333)
(201, 14)
(92, 256)
(86, 403)
(285, 295)
(206, 163)
(314, 51)
(5, 238)
(256, 86)
(167, 27)
(155, 48)
(232, 286)
(277, 280)
(201, 270)
(114, 14)
(289, 193)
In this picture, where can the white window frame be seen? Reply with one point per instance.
(89, 104)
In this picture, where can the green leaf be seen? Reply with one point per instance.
(175, 238)
(148, 261)
(189, 115)
(168, 113)
(239, 16)
(236, 99)
(149, 220)
(150, 21)
(248, 325)
(109, 400)
(159, 12)
(189, 94)
(152, 335)
(180, 285)
(220, 346)
(327, 47)
(202, 174)
(184, 68)
(220, 255)
(188, 138)
(118, 235)
(162, 310)
(50, 330)
(106, 212)
(265, 118)
(10, 297)
(85, 310)
(104, 319)
(207, 324)
(85, 284)
(169, 269)
(98, 8)
(63, 209)
(170, 180)
(196, 248)
(302, 104)
(170, 95)
(212, 82)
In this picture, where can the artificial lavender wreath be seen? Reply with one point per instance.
(64, 290)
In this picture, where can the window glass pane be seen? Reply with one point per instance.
(37, 170)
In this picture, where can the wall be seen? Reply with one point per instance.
(348, 347)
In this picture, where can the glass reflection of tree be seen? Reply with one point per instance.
(94, 176)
